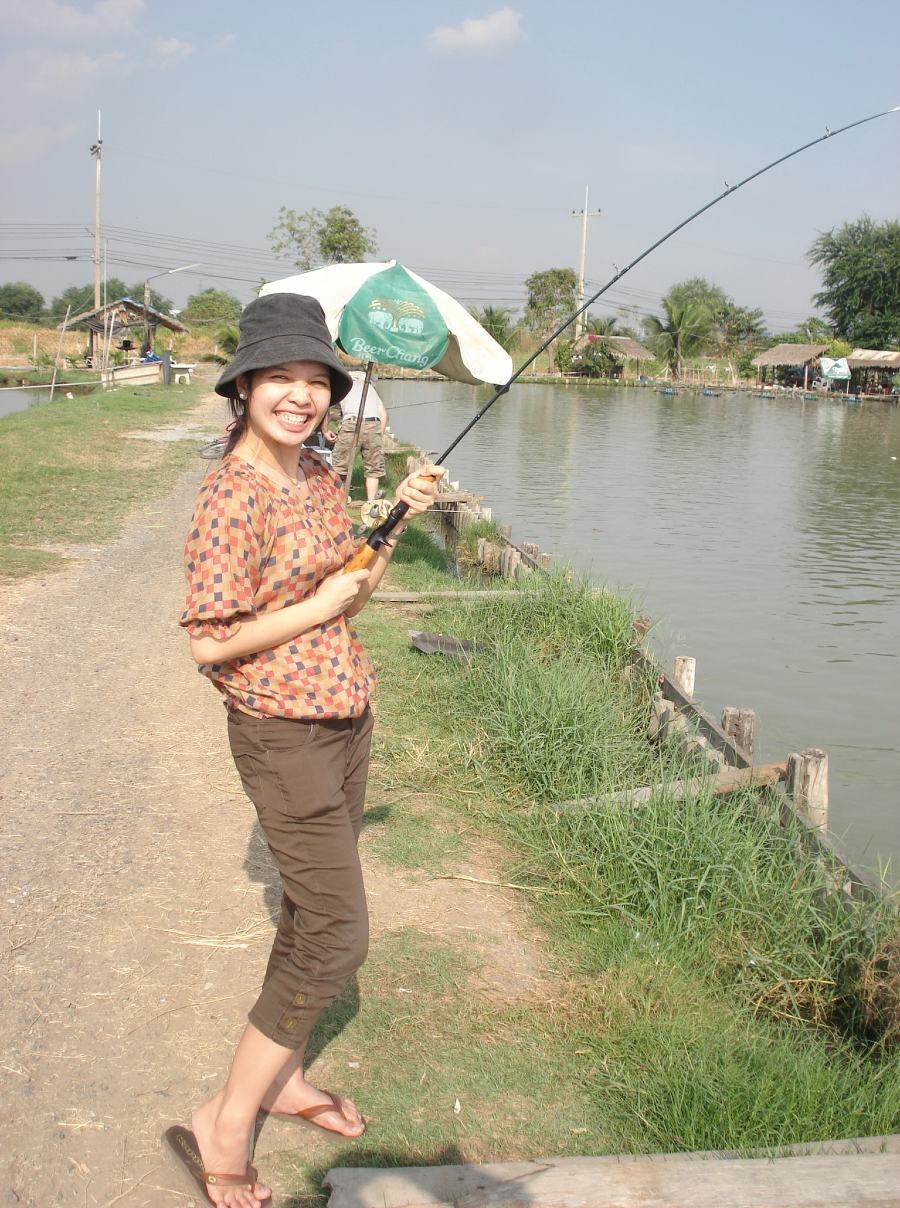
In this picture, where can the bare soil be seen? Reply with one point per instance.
(136, 911)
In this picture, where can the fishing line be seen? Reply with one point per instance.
(380, 534)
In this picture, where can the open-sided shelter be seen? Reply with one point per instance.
(125, 325)
(794, 357)
(873, 369)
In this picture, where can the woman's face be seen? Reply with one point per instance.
(286, 403)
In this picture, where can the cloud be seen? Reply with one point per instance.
(61, 74)
(54, 20)
(25, 144)
(225, 41)
(479, 33)
(171, 49)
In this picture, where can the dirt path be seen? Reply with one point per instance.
(137, 900)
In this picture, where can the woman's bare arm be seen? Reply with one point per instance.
(268, 629)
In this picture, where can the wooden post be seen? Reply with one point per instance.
(486, 514)
(740, 726)
(506, 531)
(545, 561)
(807, 784)
(684, 674)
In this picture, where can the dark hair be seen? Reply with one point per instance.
(238, 409)
(238, 425)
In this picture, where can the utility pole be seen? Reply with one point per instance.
(579, 322)
(95, 152)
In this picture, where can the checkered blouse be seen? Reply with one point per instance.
(255, 546)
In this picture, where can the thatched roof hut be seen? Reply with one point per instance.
(873, 358)
(122, 314)
(794, 356)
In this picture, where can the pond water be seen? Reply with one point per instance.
(12, 400)
(762, 535)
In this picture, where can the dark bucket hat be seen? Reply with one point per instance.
(277, 328)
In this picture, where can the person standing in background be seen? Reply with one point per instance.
(371, 434)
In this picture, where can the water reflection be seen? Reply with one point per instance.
(763, 534)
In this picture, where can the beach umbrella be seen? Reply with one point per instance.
(385, 314)
(835, 370)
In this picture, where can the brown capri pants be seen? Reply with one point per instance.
(371, 445)
(307, 780)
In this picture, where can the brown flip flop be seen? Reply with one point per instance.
(309, 1114)
(184, 1148)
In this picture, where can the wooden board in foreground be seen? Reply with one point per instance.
(820, 1180)
(729, 780)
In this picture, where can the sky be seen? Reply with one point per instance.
(464, 134)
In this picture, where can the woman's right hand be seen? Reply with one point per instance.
(336, 593)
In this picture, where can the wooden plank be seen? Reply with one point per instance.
(819, 1181)
(705, 725)
(729, 780)
(429, 1187)
(818, 843)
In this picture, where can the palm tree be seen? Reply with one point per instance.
(497, 321)
(605, 325)
(228, 339)
(687, 325)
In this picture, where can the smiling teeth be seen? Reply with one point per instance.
(296, 421)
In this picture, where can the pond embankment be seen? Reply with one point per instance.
(542, 980)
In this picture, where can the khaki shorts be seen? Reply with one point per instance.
(370, 444)
(307, 780)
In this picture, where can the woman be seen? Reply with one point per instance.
(268, 616)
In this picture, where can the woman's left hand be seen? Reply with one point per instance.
(419, 489)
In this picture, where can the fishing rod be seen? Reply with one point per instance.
(364, 557)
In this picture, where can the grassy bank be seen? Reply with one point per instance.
(69, 474)
(706, 989)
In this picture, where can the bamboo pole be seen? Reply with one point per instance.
(58, 351)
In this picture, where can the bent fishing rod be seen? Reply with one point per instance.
(378, 536)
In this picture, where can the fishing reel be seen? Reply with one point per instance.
(375, 511)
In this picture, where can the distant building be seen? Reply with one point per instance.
(125, 325)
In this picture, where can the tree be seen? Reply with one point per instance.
(739, 331)
(335, 237)
(498, 322)
(698, 289)
(552, 297)
(211, 306)
(860, 264)
(228, 339)
(19, 300)
(682, 333)
(596, 359)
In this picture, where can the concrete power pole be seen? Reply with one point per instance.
(584, 215)
(95, 152)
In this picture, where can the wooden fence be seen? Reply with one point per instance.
(796, 788)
